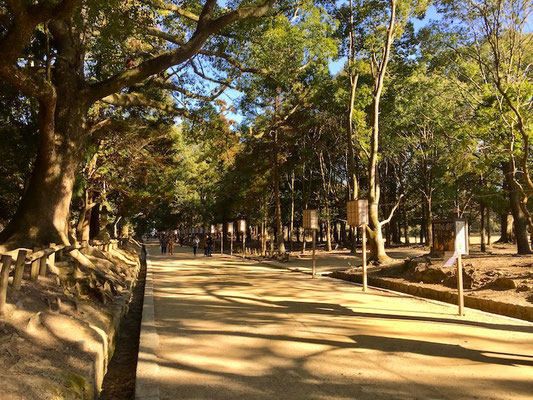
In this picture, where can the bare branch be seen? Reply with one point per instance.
(392, 211)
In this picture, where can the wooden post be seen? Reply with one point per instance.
(4, 278)
(365, 279)
(34, 273)
(42, 265)
(314, 251)
(460, 284)
(19, 269)
(52, 258)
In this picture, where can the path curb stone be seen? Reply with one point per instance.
(491, 306)
(147, 380)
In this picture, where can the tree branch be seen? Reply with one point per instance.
(164, 61)
(385, 222)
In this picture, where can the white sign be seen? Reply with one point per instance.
(449, 258)
(461, 237)
(242, 225)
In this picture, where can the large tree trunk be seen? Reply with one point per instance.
(44, 210)
(279, 224)
(291, 227)
(82, 228)
(520, 220)
(506, 231)
(377, 244)
(94, 223)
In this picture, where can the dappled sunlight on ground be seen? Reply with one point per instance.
(232, 329)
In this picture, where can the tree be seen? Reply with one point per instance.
(493, 55)
(67, 81)
(387, 20)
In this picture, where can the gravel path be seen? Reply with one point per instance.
(229, 329)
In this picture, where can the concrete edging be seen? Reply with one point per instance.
(147, 376)
(490, 306)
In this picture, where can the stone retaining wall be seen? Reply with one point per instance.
(495, 307)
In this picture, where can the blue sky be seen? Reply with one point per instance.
(431, 14)
(335, 66)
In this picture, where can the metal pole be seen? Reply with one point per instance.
(365, 280)
(231, 244)
(460, 285)
(314, 249)
(221, 243)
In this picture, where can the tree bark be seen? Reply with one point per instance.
(405, 226)
(506, 231)
(428, 220)
(374, 228)
(482, 222)
(520, 220)
(489, 229)
(279, 224)
(94, 223)
(43, 213)
(291, 228)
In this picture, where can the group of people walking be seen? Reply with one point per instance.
(167, 241)
(207, 244)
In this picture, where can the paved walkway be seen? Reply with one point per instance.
(229, 329)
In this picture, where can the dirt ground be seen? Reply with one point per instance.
(513, 273)
(498, 274)
(57, 333)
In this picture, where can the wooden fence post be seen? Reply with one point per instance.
(4, 277)
(19, 269)
(52, 258)
(42, 266)
(34, 274)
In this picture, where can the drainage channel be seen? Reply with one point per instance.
(119, 382)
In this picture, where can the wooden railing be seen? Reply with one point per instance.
(37, 263)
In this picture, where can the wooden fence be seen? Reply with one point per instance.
(37, 263)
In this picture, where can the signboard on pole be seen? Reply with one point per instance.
(450, 235)
(310, 219)
(357, 212)
(242, 225)
(230, 228)
(461, 236)
(220, 228)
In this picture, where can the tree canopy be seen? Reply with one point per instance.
(179, 114)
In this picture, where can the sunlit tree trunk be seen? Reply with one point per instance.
(279, 223)
(519, 218)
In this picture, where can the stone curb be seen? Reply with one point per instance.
(490, 306)
(147, 376)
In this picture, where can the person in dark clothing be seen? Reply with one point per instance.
(209, 243)
(164, 244)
